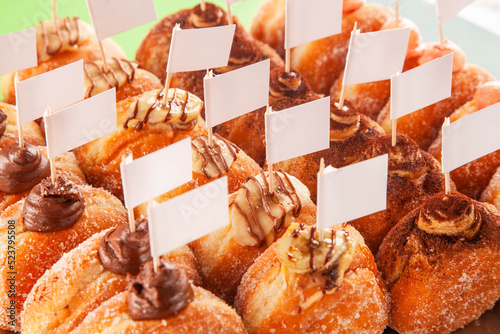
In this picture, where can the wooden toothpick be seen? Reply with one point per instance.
(131, 219)
(52, 161)
(270, 166)
(394, 121)
(103, 56)
(287, 60)
(203, 6)
(19, 125)
(167, 87)
(229, 14)
(156, 263)
(447, 178)
(321, 166)
(342, 92)
(397, 11)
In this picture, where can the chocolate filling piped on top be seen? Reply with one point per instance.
(52, 207)
(122, 251)
(22, 168)
(157, 295)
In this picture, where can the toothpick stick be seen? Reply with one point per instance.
(54, 14)
(209, 75)
(203, 5)
(167, 86)
(321, 166)
(441, 35)
(19, 125)
(342, 92)
(131, 219)
(287, 60)
(103, 56)
(397, 11)
(52, 161)
(447, 179)
(270, 166)
(394, 121)
(229, 14)
(156, 263)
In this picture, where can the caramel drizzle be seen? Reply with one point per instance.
(210, 154)
(264, 195)
(129, 74)
(67, 26)
(158, 102)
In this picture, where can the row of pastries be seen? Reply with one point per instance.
(429, 263)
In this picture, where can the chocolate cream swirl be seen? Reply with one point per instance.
(157, 295)
(122, 251)
(21, 168)
(53, 207)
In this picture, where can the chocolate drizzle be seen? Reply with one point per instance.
(3, 122)
(182, 108)
(158, 295)
(70, 25)
(95, 74)
(21, 168)
(213, 156)
(285, 187)
(122, 251)
(53, 207)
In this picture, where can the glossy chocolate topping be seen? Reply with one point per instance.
(124, 252)
(3, 122)
(216, 160)
(452, 215)
(21, 168)
(52, 207)
(343, 123)
(405, 159)
(158, 295)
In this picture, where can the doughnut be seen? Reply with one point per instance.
(423, 125)
(76, 41)
(472, 178)
(257, 219)
(286, 90)
(413, 177)
(223, 158)
(145, 125)
(90, 274)
(350, 135)
(8, 128)
(369, 98)
(53, 219)
(314, 281)
(441, 263)
(163, 302)
(152, 54)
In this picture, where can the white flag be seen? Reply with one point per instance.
(156, 173)
(446, 9)
(374, 56)
(18, 51)
(111, 17)
(471, 137)
(309, 20)
(352, 192)
(55, 89)
(80, 123)
(188, 217)
(235, 93)
(421, 86)
(298, 130)
(200, 49)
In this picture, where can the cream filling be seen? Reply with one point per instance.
(212, 161)
(97, 81)
(248, 214)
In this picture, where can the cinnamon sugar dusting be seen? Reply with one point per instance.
(451, 215)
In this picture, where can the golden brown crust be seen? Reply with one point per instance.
(205, 314)
(440, 283)
(413, 177)
(31, 131)
(88, 51)
(423, 125)
(37, 252)
(268, 302)
(491, 193)
(472, 178)
(341, 152)
(77, 284)
(322, 61)
(268, 24)
(223, 261)
(100, 159)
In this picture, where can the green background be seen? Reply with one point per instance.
(480, 46)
